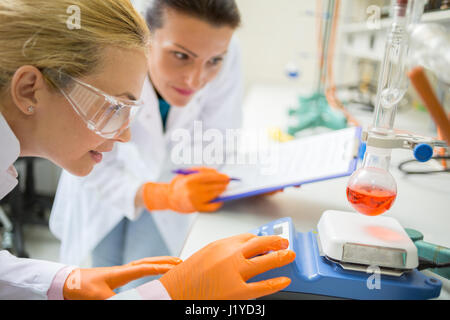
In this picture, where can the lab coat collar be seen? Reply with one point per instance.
(148, 129)
(176, 117)
(150, 115)
(9, 145)
(10, 151)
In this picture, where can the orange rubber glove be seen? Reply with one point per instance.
(98, 283)
(220, 270)
(187, 193)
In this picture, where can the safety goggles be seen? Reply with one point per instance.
(106, 115)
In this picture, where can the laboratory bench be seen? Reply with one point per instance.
(422, 203)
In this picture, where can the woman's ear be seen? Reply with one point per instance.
(27, 80)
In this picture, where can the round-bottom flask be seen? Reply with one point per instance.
(372, 190)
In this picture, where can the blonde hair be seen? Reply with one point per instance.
(39, 33)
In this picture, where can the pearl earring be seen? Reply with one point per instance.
(31, 109)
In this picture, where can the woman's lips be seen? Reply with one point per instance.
(184, 92)
(96, 156)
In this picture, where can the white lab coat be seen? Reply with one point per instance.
(21, 279)
(87, 209)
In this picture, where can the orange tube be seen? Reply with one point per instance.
(442, 154)
(425, 91)
(442, 151)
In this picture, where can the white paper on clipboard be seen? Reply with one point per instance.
(301, 161)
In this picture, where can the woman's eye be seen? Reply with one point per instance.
(180, 55)
(215, 61)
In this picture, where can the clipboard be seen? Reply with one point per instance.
(302, 161)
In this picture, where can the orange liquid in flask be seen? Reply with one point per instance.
(370, 200)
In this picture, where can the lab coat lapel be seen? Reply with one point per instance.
(156, 155)
(183, 117)
(174, 226)
(149, 132)
(10, 150)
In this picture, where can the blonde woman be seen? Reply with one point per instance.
(48, 70)
(71, 74)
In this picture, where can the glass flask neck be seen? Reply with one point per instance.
(377, 158)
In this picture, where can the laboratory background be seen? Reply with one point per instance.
(294, 53)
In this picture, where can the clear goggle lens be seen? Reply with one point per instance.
(106, 115)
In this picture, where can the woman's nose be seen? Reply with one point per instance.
(195, 79)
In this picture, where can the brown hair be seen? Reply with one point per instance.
(216, 12)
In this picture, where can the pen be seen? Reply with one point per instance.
(188, 172)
